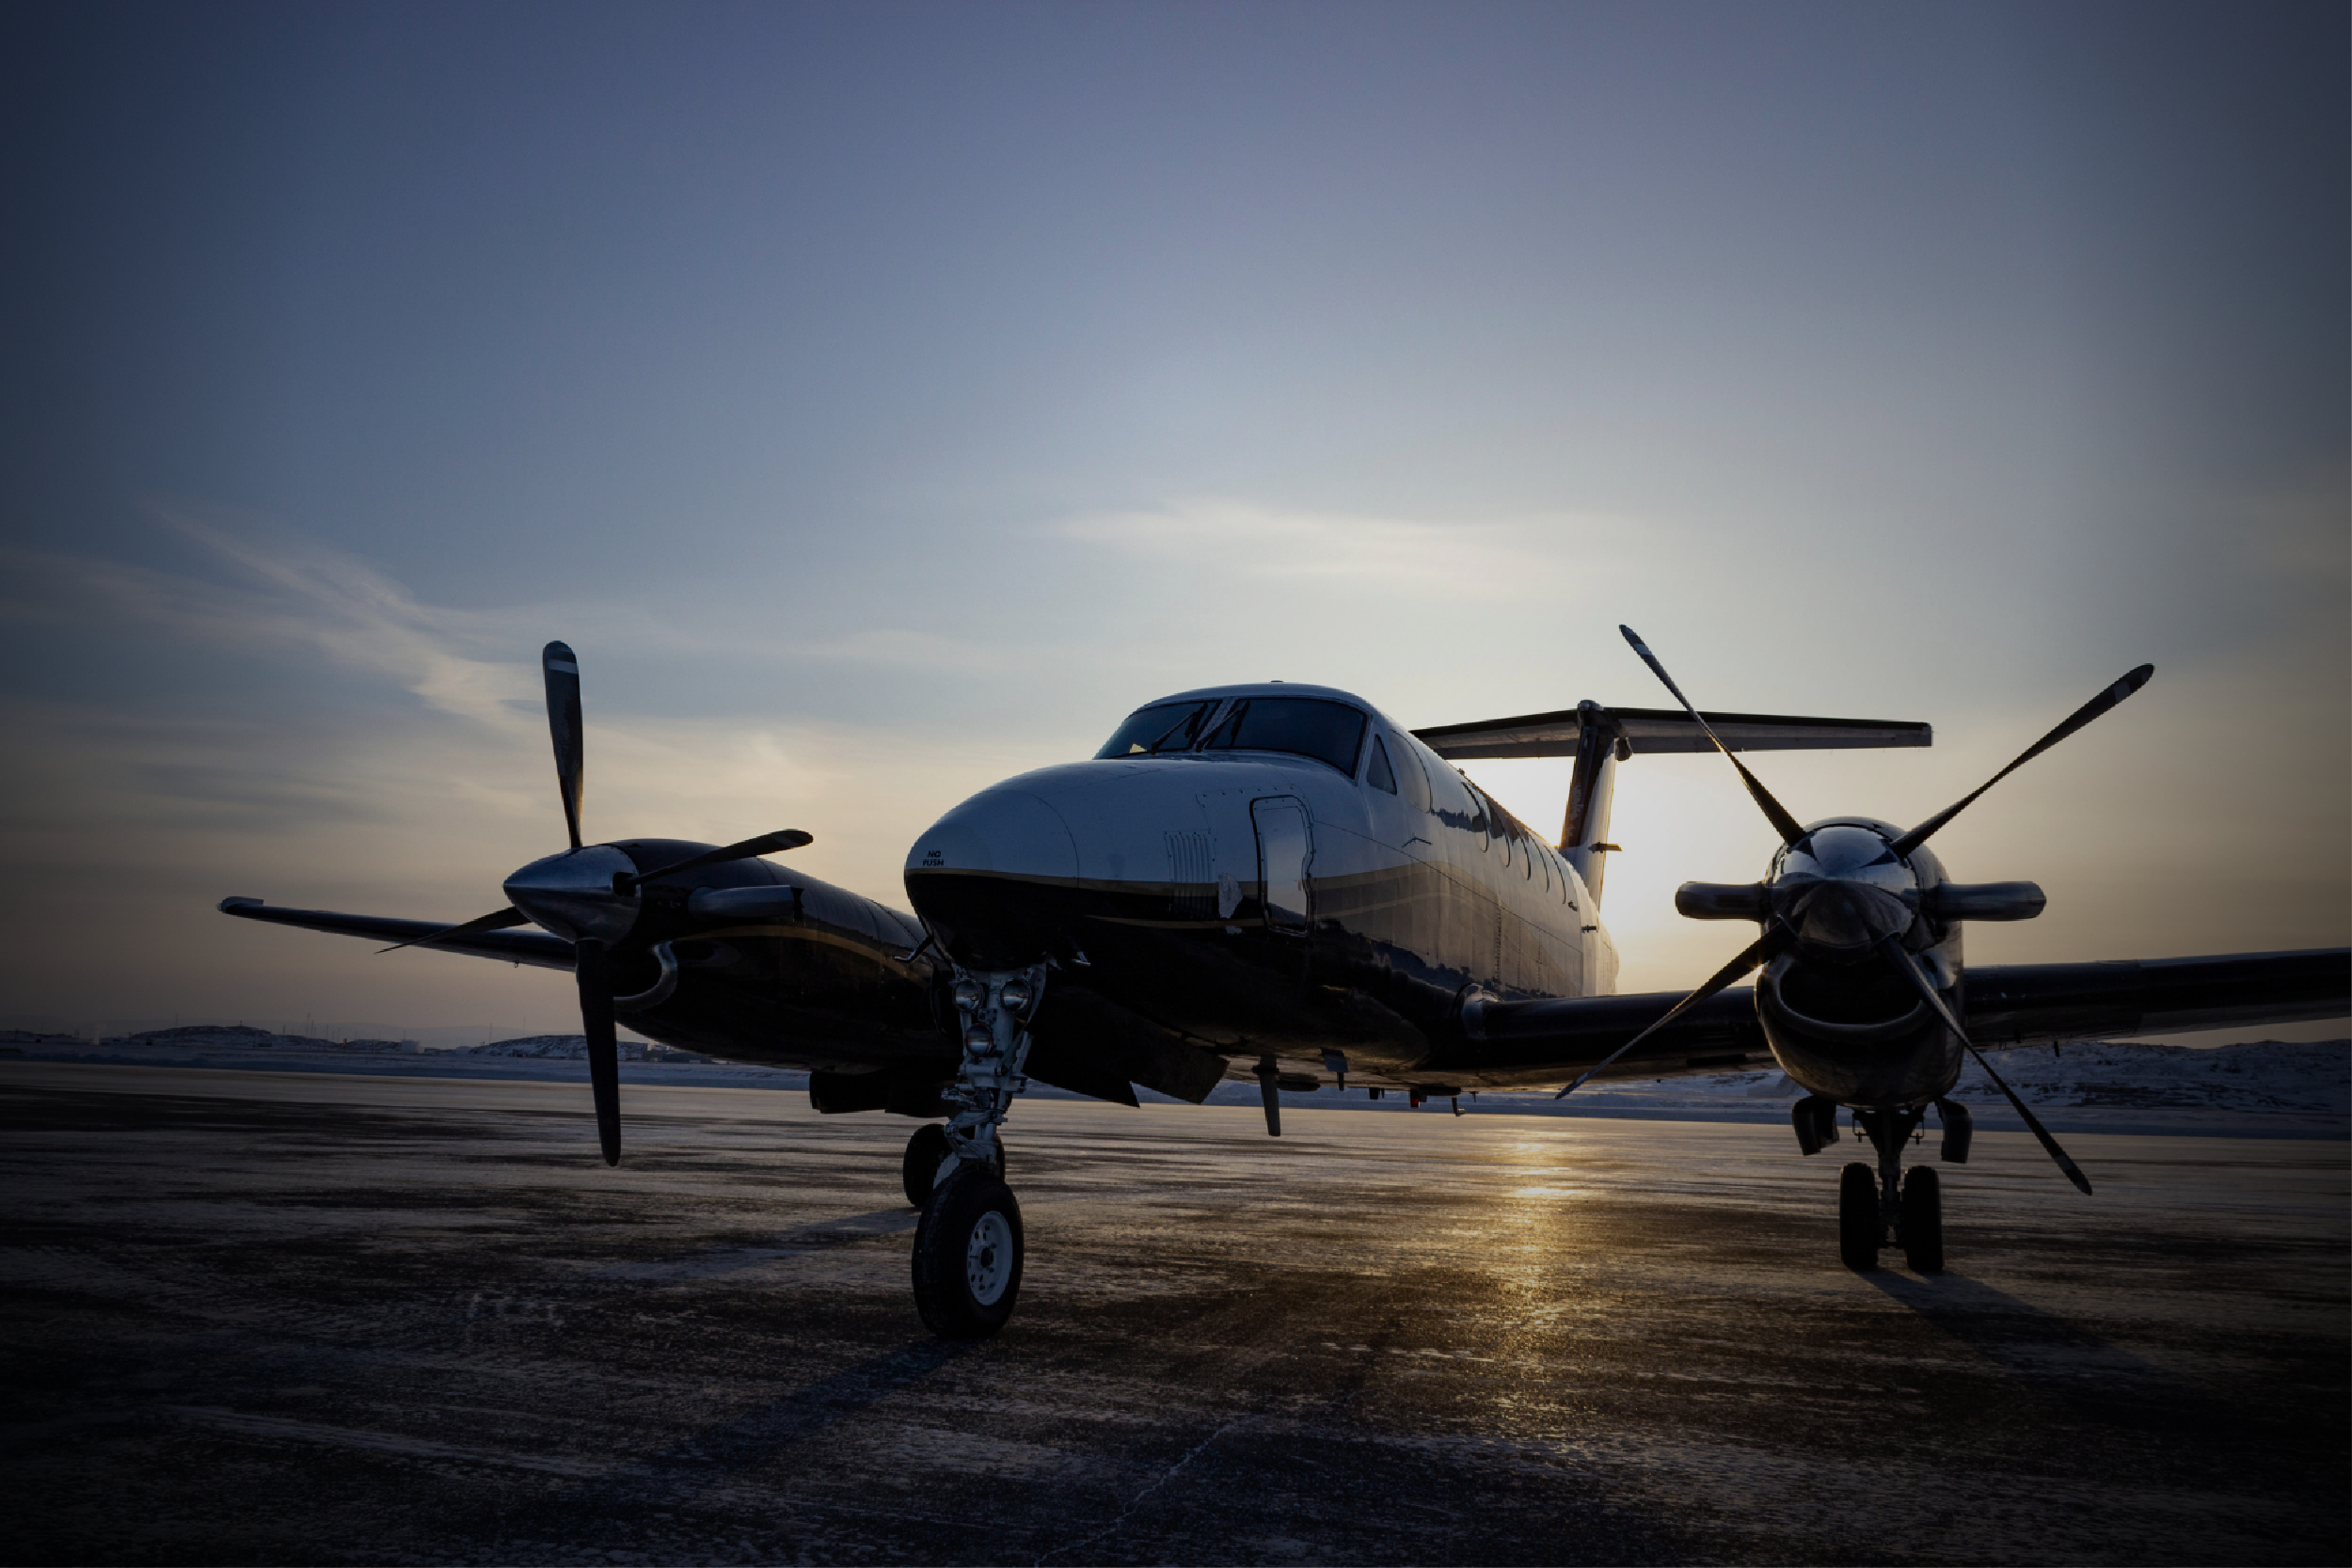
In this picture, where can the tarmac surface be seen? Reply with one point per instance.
(258, 1318)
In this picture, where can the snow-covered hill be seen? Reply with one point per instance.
(573, 1048)
(2308, 1077)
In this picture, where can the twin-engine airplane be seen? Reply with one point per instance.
(1280, 882)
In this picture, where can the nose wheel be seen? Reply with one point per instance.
(1887, 1207)
(1860, 1231)
(968, 1256)
(1923, 1221)
(926, 1151)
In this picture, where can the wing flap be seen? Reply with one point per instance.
(1652, 729)
(522, 948)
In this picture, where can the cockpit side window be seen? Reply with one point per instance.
(1454, 804)
(1410, 778)
(1167, 727)
(1377, 772)
(1305, 727)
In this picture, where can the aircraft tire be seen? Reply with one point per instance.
(968, 1256)
(1859, 1229)
(1923, 1221)
(926, 1150)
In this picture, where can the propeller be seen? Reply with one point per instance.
(743, 849)
(1775, 940)
(2074, 721)
(497, 920)
(1891, 949)
(1787, 826)
(604, 1049)
(1844, 893)
(589, 895)
(560, 669)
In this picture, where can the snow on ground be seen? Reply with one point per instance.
(2254, 1088)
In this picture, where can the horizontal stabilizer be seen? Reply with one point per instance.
(1653, 729)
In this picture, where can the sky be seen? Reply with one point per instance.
(885, 399)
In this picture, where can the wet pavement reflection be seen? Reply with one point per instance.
(264, 1318)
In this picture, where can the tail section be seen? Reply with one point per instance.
(1600, 738)
(1600, 744)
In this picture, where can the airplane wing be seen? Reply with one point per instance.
(521, 948)
(1525, 1043)
(2036, 1003)
(1657, 729)
(1550, 1042)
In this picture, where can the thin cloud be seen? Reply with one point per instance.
(1520, 558)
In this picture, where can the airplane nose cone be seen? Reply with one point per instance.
(1001, 831)
(1842, 891)
(992, 876)
(571, 894)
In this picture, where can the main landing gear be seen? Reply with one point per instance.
(968, 1245)
(1883, 1208)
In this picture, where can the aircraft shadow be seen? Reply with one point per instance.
(2059, 1355)
(733, 1257)
(709, 1457)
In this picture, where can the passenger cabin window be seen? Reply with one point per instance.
(1168, 727)
(1377, 773)
(1304, 726)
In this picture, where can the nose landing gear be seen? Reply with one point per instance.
(1881, 1208)
(968, 1245)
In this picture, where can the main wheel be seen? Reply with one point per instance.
(967, 1256)
(926, 1151)
(1859, 1228)
(1923, 1221)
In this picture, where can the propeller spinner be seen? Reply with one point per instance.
(1842, 894)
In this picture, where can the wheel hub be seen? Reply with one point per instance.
(987, 1259)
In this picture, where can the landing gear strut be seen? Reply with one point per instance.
(968, 1245)
(1876, 1209)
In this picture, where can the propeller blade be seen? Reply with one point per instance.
(2074, 721)
(604, 1050)
(1761, 951)
(1891, 949)
(766, 843)
(1788, 827)
(497, 920)
(562, 670)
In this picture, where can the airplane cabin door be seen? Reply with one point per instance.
(1285, 858)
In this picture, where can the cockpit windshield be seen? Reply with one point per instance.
(1306, 726)
(1168, 727)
